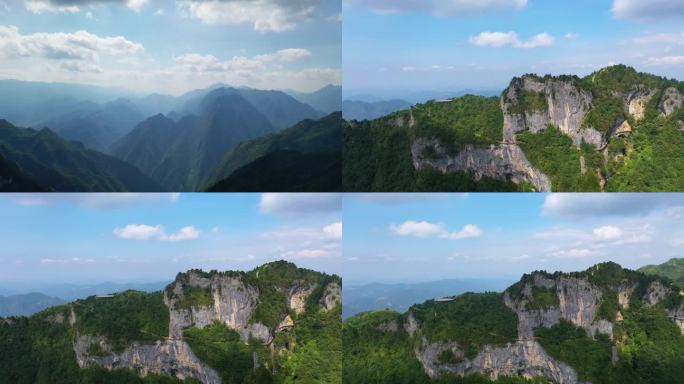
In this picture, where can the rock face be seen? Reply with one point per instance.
(523, 358)
(677, 315)
(671, 100)
(501, 162)
(567, 105)
(233, 303)
(332, 296)
(655, 293)
(299, 294)
(637, 99)
(171, 357)
(578, 303)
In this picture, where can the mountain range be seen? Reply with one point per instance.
(157, 142)
(362, 110)
(606, 324)
(614, 130)
(274, 324)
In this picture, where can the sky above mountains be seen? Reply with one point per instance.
(411, 45)
(172, 46)
(426, 237)
(121, 237)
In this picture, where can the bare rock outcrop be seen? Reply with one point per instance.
(578, 303)
(566, 107)
(501, 162)
(655, 293)
(677, 315)
(637, 99)
(171, 357)
(332, 296)
(522, 358)
(671, 100)
(299, 295)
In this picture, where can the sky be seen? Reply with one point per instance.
(173, 46)
(127, 238)
(392, 47)
(394, 238)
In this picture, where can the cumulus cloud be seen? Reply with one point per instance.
(74, 6)
(424, 229)
(298, 203)
(503, 39)
(571, 35)
(290, 54)
(155, 232)
(333, 231)
(439, 7)
(572, 253)
(265, 15)
(651, 10)
(79, 45)
(665, 60)
(608, 232)
(209, 63)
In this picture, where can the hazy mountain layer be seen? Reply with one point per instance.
(46, 162)
(361, 110)
(26, 304)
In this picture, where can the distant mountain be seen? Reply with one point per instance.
(27, 103)
(314, 141)
(26, 304)
(179, 155)
(44, 160)
(327, 99)
(399, 297)
(71, 292)
(97, 126)
(673, 269)
(361, 110)
(280, 109)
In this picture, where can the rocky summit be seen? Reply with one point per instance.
(596, 326)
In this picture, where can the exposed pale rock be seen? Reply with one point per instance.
(299, 295)
(655, 293)
(172, 357)
(501, 162)
(567, 105)
(411, 325)
(332, 296)
(284, 324)
(637, 99)
(624, 294)
(523, 358)
(677, 315)
(671, 100)
(388, 326)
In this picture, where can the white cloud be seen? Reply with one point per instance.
(52, 261)
(665, 60)
(79, 45)
(647, 10)
(417, 229)
(582, 205)
(608, 232)
(571, 35)
(136, 5)
(159, 12)
(425, 229)
(157, 232)
(333, 231)
(573, 253)
(45, 6)
(287, 55)
(265, 15)
(91, 200)
(305, 254)
(209, 63)
(298, 203)
(439, 7)
(658, 38)
(502, 39)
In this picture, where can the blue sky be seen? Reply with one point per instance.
(172, 46)
(424, 237)
(393, 47)
(89, 238)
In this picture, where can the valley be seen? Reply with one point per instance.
(106, 140)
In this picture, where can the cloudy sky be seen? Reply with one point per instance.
(414, 237)
(89, 238)
(416, 45)
(172, 46)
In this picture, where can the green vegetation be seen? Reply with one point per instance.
(124, 318)
(195, 297)
(529, 101)
(554, 154)
(543, 298)
(473, 120)
(472, 319)
(448, 357)
(673, 269)
(222, 349)
(605, 114)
